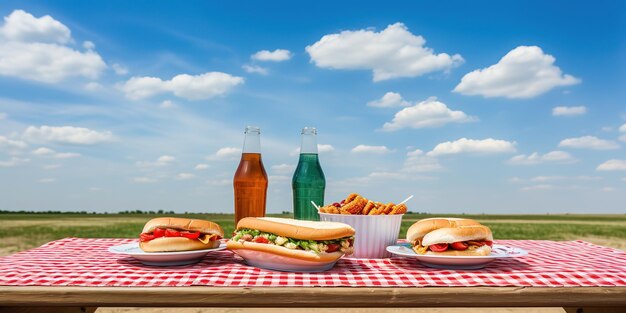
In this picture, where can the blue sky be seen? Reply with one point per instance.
(471, 107)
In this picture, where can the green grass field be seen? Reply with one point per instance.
(23, 231)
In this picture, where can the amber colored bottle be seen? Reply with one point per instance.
(250, 181)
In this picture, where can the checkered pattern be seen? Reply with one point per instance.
(86, 262)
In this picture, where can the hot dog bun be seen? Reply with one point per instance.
(170, 244)
(422, 227)
(205, 227)
(282, 251)
(462, 233)
(297, 229)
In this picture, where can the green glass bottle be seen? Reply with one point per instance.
(308, 181)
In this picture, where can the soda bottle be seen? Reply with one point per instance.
(308, 181)
(250, 181)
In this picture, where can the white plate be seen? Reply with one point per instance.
(458, 262)
(163, 258)
(280, 263)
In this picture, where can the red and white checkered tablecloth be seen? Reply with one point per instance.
(86, 262)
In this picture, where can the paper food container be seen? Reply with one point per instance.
(373, 232)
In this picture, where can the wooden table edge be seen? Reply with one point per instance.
(200, 296)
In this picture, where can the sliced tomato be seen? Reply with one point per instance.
(350, 242)
(172, 233)
(214, 238)
(261, 240)
(159, 232)
(441, 247)
(332, 247)
(459, 245)
(489, 243)
(146, 237)
(190, 234)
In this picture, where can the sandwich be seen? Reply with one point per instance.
(167, 234)
(450, 236)
(322, 242)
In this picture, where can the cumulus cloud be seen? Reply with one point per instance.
(39, 49)
(226, 153)
(389, 100)
(370, 149)
(277, 55)
(163, 160)
(166, 104)
(589, 142)
(13, 161)
(254, 69)
(569, 111)
(119, 69)
(66, 134)
(144, 180)
(536, 158)
(464, 145)
(66, 155)
(283, 168)
(321, 148)
(416, 161)
(43, 151)
(191, 87)
(524, 72)
(612, 165)
(11, 143)
(622, 129)
(201, 167)
(391, 53)
(93, 86)
(185, 176)
(428, 113)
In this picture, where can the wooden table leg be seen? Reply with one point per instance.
(595, 309)
(47, 309)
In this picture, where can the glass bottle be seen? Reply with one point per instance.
(250, 181)
(308, 181)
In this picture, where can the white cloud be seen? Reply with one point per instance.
(589, 142)
(279, 178)
(89, 45)
(428, 113)
(67, 155)
(3, 116)
(201, 167)
(283, 168)
(119, 69)
(389, 100)
(464, 145)
(277, 55)
(93, 86)
(569, 111)
(416, 161)
(185, 176)
(226, 153)
(524, 72)
(11, 143)
(254, 69)
(612, 165)
(622, 138)
(622, 128)
(66, 134)
(321, 148)
(38, 49)
(144, 180)
(47, 180)
(43, 151)
(536, 158)
(538, 187)
(51, 166)
(198, 87)
(13, 161)
(391, 53)
(167, 104)
(163, 160)
(370, 149)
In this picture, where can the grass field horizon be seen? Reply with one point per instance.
(21, 231)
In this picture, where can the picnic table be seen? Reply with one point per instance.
(79, 275)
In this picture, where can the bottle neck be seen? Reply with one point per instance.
(252, 143)
(309, 144)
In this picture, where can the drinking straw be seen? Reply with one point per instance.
(405, 200)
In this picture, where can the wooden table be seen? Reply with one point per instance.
(87, 299)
